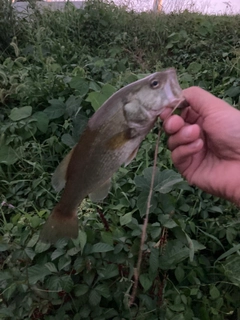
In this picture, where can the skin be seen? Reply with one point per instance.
(205, 143)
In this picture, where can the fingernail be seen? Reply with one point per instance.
(187, 132)
(195, 144)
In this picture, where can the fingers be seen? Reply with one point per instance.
(186, 135)
(182, 155)
(203, 102)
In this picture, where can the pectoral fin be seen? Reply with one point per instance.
(59, 175)
(101, 192)
(131, 157)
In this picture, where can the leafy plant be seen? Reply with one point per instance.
(61, 67)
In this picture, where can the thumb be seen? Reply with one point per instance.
(203, 102)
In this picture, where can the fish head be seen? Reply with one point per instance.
(160, 90)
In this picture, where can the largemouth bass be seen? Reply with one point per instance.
(111, 139)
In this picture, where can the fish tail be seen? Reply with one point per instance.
(60, 225)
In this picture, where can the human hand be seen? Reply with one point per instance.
(205, 143)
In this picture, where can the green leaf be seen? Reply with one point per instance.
(107, 237)
(67, 139)
(194, 67)
(212, 237)
(41, 247)
(98, 98)
(51, 267)
(179, 274)
(229, 252)
(56, 110)
(145, 281)
(4, 247)
(37, 273)
(64, 262)
(9, 291)
(231, 269)
(20, 113)
(57, 253)
(101, 247)
(127, 218)
(82, 236)
(80, 84)
(214, 293)
(168, 179)
(66, 283)
(80, 290)
(7, 155)
(154, 260)
(42, 121)
(233, 92)
(94, 298)
(142, 203)
(103, 290)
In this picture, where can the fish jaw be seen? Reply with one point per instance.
(172, 89)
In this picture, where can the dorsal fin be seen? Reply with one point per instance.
(59, 175)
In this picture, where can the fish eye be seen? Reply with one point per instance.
(155, 84)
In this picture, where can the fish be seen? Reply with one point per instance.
(111, 139)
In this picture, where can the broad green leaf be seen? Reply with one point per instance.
(66, 283)
(110, 271)
(80, 84)
(103, 290)
(64, 262)
(57, 253)
(42, 121)
(9, 291)
(7, 155)
(51, 267)
(37, 273)
(67, 139)
(194, 67)
(179, 273)
(168, 179)
(73, 251)
(94, 298)
(73, 105)
(214, 293)
(127, 218)
(154, 260)
(145, 281)
(41, 247)
(80, 290)
(56, 110)
(142, 203)
(20, 113)
(30, 253)
(107, 237)
(233, 92)
(101, 247)
(4, 247)
(98, 98)
(33, 241)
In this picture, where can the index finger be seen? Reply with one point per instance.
(203, 102)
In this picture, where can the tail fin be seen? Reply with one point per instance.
(58, 226)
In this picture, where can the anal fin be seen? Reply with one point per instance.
(131, 156)
(59, 175)
(101, 193)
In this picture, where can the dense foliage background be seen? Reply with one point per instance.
(56, 69)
